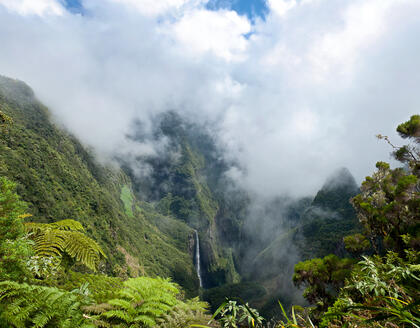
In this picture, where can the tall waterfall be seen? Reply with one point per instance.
(197, 258)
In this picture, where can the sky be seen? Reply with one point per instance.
(291, 89)
(251, 8)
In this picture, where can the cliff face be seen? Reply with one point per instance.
(60, 179)
(187, 182)
(144, 223)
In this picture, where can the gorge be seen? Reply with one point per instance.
(144, 222)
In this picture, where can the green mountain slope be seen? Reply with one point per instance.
(329, 218)
(60, 179)
(187, 182)
(319, 230)
(292, 230)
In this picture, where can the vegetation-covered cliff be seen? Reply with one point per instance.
(60, 179)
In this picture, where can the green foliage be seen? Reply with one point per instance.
(323, 278)
(5, 122)
(59, 178)
(232, 315)
(323, 236)
(66, 236)
(188, 183)
(101, 287)
(382, 291)
(411, 128)
(15, 249)
(300, 318)
(247, 291)
(185, 314)
(127, 199)
(356, 244)
(44, 267)
(389, 207)
(140, 303)
(23, 305)
(329, 218)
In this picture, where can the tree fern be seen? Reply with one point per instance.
(140, 303)
(23, 305)
(66, 236)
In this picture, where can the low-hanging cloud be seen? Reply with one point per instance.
(291, 97)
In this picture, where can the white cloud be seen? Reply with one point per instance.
(338, 50)
(220, 32)
(156, 7)
(305, 94)
(281, 7)
(34, 7)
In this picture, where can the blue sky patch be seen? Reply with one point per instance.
(250, 8)
(73, 5)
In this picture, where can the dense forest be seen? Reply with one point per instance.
(88, 244)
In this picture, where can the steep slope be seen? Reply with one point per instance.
(60, 179)
(318, 231)
(187, 182)
(329, 218)
(296, 230)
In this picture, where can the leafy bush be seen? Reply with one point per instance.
(382, 291)
(15, 249)
(323, 278)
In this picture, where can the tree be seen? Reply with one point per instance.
(383, 291)
(389, 207)
(389, 203)
(356, 244)
(322, 278)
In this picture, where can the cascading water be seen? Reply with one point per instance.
(197, 258)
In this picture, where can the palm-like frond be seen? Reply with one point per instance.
(66, 236)
(140, 303)
(23, 305)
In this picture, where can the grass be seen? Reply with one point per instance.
(127, 199)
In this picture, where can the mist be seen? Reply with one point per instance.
(289, 98)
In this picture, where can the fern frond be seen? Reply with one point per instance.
(142, 301)
(82, 248)
(185, 314)
(121, 303)
(120, 314)
(68, 225)
(26, 305)
(53, 239)
(146, 320)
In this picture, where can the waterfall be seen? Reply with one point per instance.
(197, 258)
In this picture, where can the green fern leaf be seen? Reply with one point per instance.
(66, 236)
